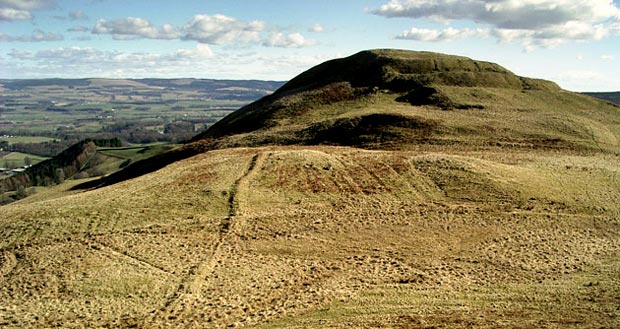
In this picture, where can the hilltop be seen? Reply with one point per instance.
(386, 189)
(393, 99)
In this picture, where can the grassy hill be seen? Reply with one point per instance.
(408, 197)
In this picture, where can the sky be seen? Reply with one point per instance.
(575, 43)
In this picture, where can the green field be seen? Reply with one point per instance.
(27, 139)
(18, 159)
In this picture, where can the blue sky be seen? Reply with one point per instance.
(575, 43)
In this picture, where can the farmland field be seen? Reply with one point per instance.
(41, 118)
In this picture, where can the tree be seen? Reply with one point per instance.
(27, 161)
(60, 175)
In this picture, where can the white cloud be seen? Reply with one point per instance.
(27, 4)
(133, 28)
(200, 61)
(78, 29)
(201, 51)
(587, 80)
(219, 29)
(316, 28)
(10, 14)
(76, 56)
(449, 34)
(205, 29)
(281, 40)
(11, 10)
(21, 54)
(533, 23)
(78, 15)
(607, 57)
(36, 36)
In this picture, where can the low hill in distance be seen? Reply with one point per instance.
(386, 189)
(613, 97)
(217, 89)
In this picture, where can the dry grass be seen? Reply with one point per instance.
(324, 237)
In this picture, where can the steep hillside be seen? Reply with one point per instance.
(417, 195)
(53, 171)
(88, 158)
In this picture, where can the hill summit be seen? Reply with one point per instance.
(389, 99)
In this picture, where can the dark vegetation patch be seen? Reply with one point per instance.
(368, 131)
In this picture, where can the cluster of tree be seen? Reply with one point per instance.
(45, 149)
(141, 132)
(111, 142)
(18, 194)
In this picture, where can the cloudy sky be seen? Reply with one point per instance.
(573, 42)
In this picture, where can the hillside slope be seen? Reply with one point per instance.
(395, 99)
(324, 237)
(486, 206)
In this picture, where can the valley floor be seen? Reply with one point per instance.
(324, 237)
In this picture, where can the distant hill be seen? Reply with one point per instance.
(216, 89)
(613, 97)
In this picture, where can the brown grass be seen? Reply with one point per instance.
(324, 237)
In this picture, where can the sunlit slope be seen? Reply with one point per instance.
(324, 236)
